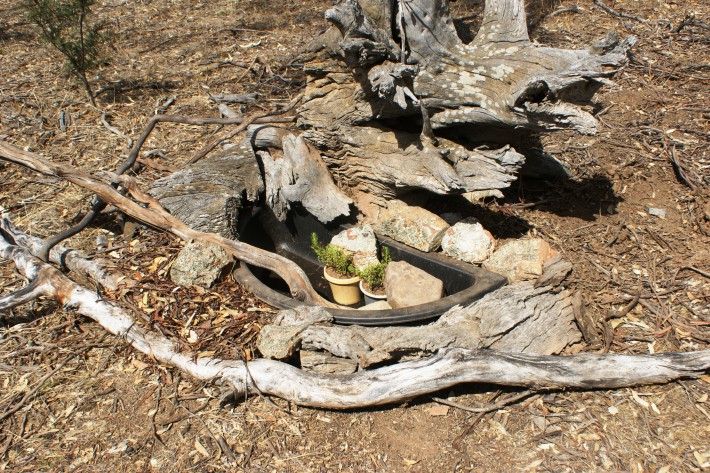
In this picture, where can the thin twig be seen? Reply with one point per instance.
(691, 268)
(220, 441)
(115, 131)
(152, 417)
(489, 408)
(572, 9)
(483, 411)
(244, 124)
(611, 11)
(625, 310)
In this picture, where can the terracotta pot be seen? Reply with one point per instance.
(370, 297)
(345, 291)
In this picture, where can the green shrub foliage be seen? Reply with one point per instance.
(333, 257)
(64, 24)
(374, 275)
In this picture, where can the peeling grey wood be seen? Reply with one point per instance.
(300, 175)
(207, 195)
(518, 318)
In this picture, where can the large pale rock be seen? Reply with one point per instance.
(468, 241)
(279, 342)
(361, 243)
(199, 264)
(413, 226)
(520, 259)
(407, 285)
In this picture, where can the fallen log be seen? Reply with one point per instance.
(524, 317)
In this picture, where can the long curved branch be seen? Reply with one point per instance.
(156, 216)
(368, 388)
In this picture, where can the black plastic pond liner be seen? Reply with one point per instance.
(464, 283)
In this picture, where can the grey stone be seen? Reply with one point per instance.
(279, 343)
(468, 241)
(407, 285)
(656, 212)
(199, 264)
(413, 226)
(361, 243)
(520, 259)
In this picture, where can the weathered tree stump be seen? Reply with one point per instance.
(397, 101)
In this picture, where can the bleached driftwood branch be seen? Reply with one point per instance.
(390, 384)
(97, 269)
(393, 68)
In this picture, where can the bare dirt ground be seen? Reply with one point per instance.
(108, 409)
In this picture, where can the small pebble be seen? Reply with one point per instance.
(656, 212)
(101, 242)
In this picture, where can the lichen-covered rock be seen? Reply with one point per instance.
(413, 226)
(199, 264)
(520, 259)
(279, 342)
(361, 243)
(407, 285)
(468, 241)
